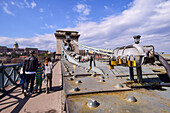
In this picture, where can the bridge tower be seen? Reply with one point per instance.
(61, 36)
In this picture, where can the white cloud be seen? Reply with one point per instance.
(33, 4)
(20, 5)
(27, 4)
(49, 27)
(82, 9)
(24, 4)
(41, 10)
(150, 19)
(82, 18)
(12, 3)
(106, 7)
(5, 8)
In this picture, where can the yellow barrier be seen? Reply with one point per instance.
(120, 61)
(113, 63)
(131, 63)
(111, 67)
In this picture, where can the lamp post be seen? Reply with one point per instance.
(137, 39)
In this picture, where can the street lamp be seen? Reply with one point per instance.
(137, 39)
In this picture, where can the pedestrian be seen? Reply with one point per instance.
(48, 73)
(30, 68)
(22, 79)
(38, 76)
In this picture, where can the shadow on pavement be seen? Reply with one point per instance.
(19, 100)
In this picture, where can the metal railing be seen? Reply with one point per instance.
(9, 75)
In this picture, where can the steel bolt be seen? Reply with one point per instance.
(71, 79)
(102, 77)
(68, 73)
(131, 99)
(78, 81)
(76, 89)
(101, 80)
(74, 76)
(93, 75)
(119, 86)
(93, 103)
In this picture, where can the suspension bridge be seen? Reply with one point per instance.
(131, 78)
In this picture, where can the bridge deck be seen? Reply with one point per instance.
(16, 102)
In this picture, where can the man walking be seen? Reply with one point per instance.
(30, 68)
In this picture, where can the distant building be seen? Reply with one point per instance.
(17, 50)
(3, 49)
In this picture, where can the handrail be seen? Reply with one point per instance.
(9, 75)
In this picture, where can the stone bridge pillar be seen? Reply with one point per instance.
(61, 36)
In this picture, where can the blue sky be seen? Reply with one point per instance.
(101, 23)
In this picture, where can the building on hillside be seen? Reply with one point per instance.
(26, 50)
(3, 49)
(17, 50)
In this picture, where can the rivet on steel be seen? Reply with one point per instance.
(93, 75)
(101, 80)
(70, 79)
(102, 77)
(76, 89)
(68, 73)
(119, 86)
(131, 99)
(93, 103)
(74, 76)
(78, 81)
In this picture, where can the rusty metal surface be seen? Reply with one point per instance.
(110, 97)
(148, 101)
(92, 84)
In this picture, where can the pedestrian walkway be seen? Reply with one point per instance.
(39, 102)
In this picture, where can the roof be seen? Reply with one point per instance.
(66, 31)
(15, 43)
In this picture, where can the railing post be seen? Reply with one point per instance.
(2, 78)
(131, 73)
(139, 74)
(14, 74)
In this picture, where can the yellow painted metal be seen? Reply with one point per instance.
(120, 61)
(131, 63)
(113, 63)
(74, 66)
(111, 67)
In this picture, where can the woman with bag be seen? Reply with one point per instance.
(48, 73)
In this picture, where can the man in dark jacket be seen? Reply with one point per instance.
(30, 67)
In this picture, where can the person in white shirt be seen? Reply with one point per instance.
(48, 73)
